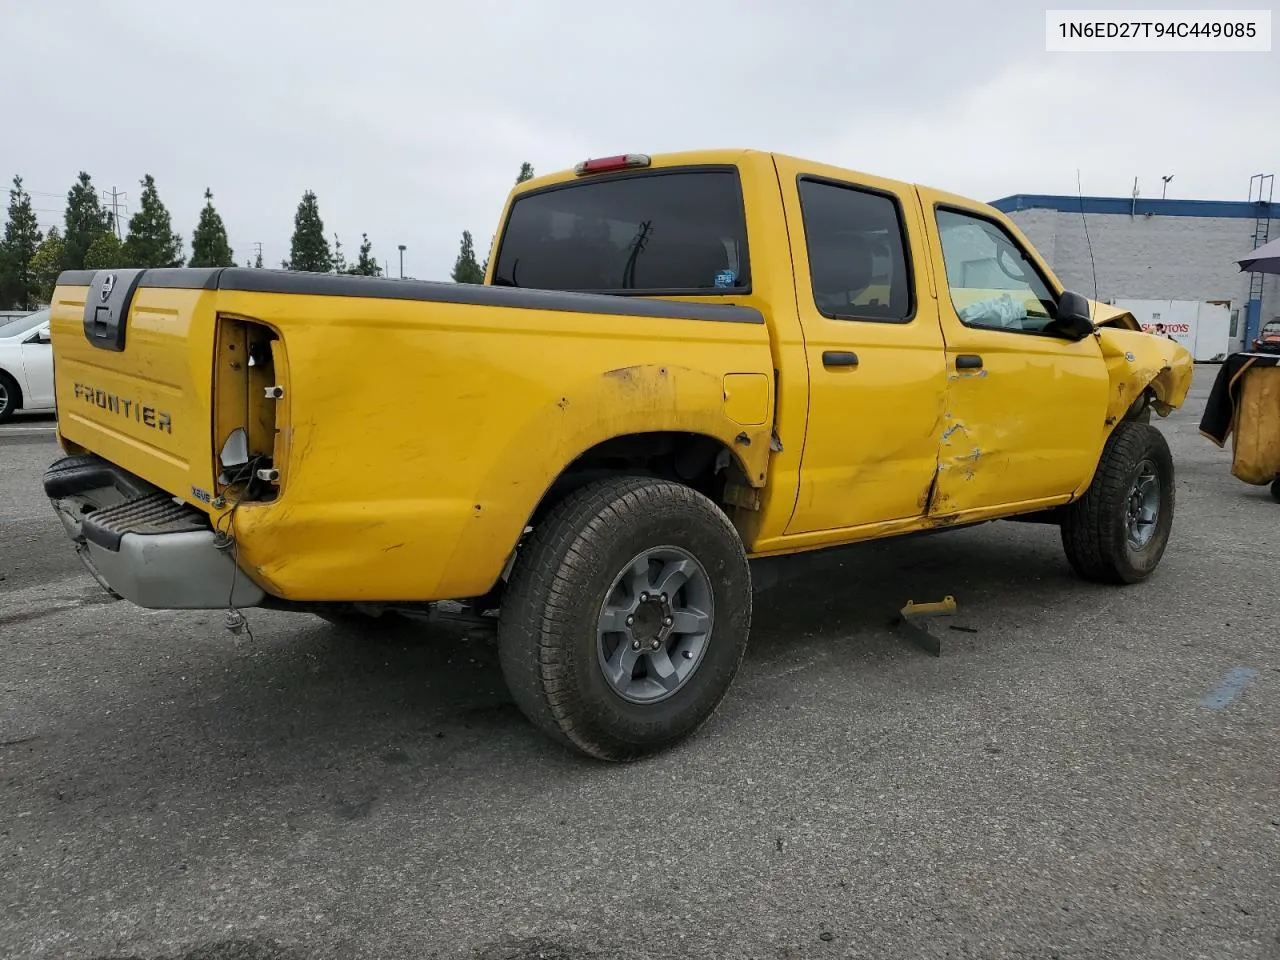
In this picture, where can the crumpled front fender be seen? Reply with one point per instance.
(1139, 361)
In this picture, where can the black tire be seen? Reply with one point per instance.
(547, 632)
(1095, 530)
(1275, 489)
(10, 397)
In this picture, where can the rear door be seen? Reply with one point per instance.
(134, 371)
(873, 346)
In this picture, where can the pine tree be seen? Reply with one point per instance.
(18, 288)
(209, 246)
(526, 172)
(85, 222)
(339, 258)
(151, 241)
(466, 269)
(309, 250)
(366, 266)
(47, 264)
(105, 253)
(257, 261)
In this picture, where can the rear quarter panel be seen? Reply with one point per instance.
(421, 436)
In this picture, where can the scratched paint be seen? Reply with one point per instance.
(1229, 689)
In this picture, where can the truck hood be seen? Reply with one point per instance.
(1105, 315)
(1138, 361)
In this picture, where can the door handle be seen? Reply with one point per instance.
(839, 358)
(968, 361)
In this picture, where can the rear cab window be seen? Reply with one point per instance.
(674, 232)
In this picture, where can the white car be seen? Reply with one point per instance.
(26, 365)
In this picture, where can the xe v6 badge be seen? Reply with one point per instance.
(108, 284)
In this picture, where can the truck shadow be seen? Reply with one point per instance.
(334, 723)
(434, 681)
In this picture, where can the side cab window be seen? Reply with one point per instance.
(993, 283)
(858, 264)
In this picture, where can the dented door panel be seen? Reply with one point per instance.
(1025, 411)
(1024, 428)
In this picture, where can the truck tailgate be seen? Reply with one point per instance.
(137, 392)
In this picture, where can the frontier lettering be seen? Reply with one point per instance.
(125, 407)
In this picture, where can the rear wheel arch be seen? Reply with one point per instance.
(697, 460)
(702, 462)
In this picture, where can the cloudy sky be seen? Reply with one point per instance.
(410, 120)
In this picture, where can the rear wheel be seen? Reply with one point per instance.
(626, 617)
(1275, 489)
(1117, 532)
(10, 397)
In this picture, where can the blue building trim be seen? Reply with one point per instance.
(1252, 322)
(1124, 206)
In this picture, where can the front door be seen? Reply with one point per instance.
(877, 374)
(37, 364)
(1025, 409)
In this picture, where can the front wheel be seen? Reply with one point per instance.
(1117, 532)
(8, 396)
(626, 617)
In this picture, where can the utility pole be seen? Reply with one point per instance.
(257, 248)
(1166, 178)
(117, 197)
(402, 261)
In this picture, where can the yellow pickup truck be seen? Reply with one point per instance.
(676, 364)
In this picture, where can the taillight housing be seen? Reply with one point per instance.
(604, 164)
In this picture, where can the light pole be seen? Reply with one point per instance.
(1166, 180)
(402, 261)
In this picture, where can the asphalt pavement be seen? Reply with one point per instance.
(1083, 772)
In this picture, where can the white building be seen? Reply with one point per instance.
(1171, 250)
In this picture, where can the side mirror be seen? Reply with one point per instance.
(1073, 321)
(44, 335)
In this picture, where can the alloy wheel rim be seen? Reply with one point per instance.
(655, 624)
(1142, 506)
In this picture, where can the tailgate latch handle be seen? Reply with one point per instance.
(106, 307)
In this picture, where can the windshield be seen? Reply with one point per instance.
(16, 328)
(677, 232)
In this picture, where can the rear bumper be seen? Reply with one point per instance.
(142, 544)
